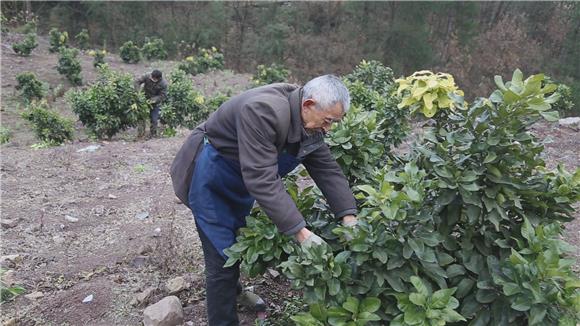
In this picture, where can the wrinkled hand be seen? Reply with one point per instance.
(349, 221)
(312, 240)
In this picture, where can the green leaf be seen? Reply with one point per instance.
(490, 158)
(370, 304)
(418, 299)
(510, 289)
(455, 270)
(333, 286)
(318, 311)
(351, 304)
(537, 315)
(365, 317)
(550, 116)
(440, 298)
(414, 316)
(485, 296)
(470, 186)
(420, 286)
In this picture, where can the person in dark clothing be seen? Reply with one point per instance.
(155, 88)
(240, 154)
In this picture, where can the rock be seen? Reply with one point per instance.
(176, 285)
(144, 297)
(157, 232)
(141, 216)
(111, 196)
(8, 223)
(71, 218)
(145, 249)
(58, 239)
(10, 260)
(273, 272)
(189, 323)
(11, 322)
(88, 299)
(8, 278)
(167, 312)
(34, 296)
(140, 261)
(89, 149)
(571, 122)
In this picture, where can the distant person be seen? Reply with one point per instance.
(155, 88)
(240, 154)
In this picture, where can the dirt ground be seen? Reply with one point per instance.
(106, 222)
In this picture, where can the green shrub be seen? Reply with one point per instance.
(467, 228)
(98, 57)
(110, 105)
(130, 52)
(184, 106)
(48, 126)
(57, 40)
(206, 60)
(268, 75)
(25, 47)
(154, 48)
(565, 103)
(69, 65)
(3, 23)
(5, 135)
(82, 39)
(30, 87)
(215, 102)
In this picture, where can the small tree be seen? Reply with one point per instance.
(206, 60)
(48, 125)
(82, 39)
(69, 65)
(154, 48)
(25, 47)
(99, 57)
(270, 74)
(57, 40)
(110, 105)
(30, 87)
(184, 106)
(130, 52)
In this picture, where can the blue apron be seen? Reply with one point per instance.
(218, 196)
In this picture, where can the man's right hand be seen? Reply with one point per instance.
(306, 238)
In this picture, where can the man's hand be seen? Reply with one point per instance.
(349, 220)
(307, 239)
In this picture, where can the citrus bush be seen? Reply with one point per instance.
(466, 229)
(270, 74)
(185, 107)
(57, 40)
(154, 48)
(130, 52)
(30, 87)
(82, 39)
(48, 126)
(110, 105)
(98, 57)
(204, 61)
(25, 47)
(69, 65)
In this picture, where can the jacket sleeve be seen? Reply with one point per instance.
(256, 133)
(328, 176)
(158, 99)
(138, 81)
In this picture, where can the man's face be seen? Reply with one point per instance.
(153, 79)
(320, 120)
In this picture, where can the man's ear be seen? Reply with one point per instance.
(309, 104)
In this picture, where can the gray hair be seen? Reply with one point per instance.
(327, 90)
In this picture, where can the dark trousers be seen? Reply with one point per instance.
(154, 115)
(221, 286)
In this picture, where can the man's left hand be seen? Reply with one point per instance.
(349, 220)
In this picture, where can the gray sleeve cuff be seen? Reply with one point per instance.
(293, 230)
(351, 211)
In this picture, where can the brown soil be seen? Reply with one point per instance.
(105, 190)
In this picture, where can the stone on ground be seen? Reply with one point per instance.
(167, 312)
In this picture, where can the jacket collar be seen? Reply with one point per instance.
(296, 128)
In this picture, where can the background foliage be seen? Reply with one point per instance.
(471, 40)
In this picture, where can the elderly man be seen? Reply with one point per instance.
(239, 156)
(155, 88)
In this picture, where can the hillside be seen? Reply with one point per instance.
(105, 222)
